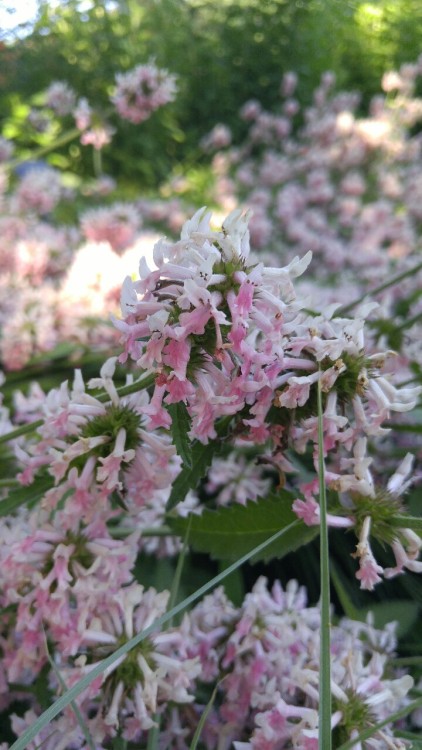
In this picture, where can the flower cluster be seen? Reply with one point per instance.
(60, 97)
(243, 361)
(118, 225)
(345, 186)
(269, 651)
(231, 342)
(264, 656)
(141, 91)
(39, 190)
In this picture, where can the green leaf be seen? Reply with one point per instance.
(180, 426)
(25, 495)
(230, 532)
(189, 477)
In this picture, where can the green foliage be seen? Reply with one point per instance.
(232, 531)
(190, 476)
(180, 425)
(223, 54)
(25, 495)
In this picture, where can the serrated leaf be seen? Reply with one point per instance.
(180, 426)
(189, 477)
(230, 532)
(25, 495)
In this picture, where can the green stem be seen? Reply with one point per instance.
(409, 323)
(144, 382)
(97, 162)
(122, 531)
(407, 661)
(179, 569)
(403, 427)
(9, 482)
(204, 716)
(75, 708)
(125, 390)
(65, 138)
(325, 708)
(372, 292)
(24, 430)
(407, 522)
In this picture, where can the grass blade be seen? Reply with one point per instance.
(324, 742)
(74, 707)
(202, 720)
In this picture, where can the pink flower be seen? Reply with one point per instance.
(117, 224)
(60, 98)
(297, 391)
(108, 473)
(141, 91)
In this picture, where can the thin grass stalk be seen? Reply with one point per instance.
(74, 707)
(154, 732)
(204, 716)
(380, 288)
(9, 483)
(325, 710)
(174, 592)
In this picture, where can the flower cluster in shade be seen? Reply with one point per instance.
(141, 91)
(263, 656)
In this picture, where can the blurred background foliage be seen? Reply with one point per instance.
(223, 53)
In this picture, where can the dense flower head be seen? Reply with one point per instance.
(60, 97)
(269, 649)
(229, 339)
(141, 91)
(201, 319)
(231, 342)
(263, 656)
(219, 137)
(39, 190)
(117, 224)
